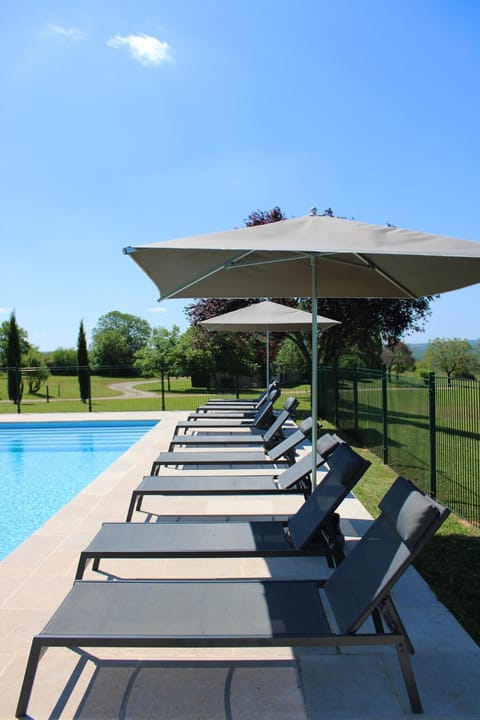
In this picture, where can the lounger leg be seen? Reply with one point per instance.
(408, 676)
(139, 501)
(377, 621)
(395, 623)
(82, 562)
(29, 677)
(134, 498)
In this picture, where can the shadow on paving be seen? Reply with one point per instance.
(186, 690)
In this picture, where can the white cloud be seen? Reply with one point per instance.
(157, 310)
(5, 311)
(65, 32)
(146, 49)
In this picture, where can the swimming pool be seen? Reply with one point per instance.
(44, 465)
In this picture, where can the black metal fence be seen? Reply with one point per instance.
(427, 429)
(117, 389)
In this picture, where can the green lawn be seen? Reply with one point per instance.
(457, 436)
(66, 387)
(63, 395)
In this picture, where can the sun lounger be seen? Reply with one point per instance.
(262, 420)
(220, 403)
(280, 454)
(268, 439)
(207, 410)
(305, 533)
(294, 479)
(258, 613)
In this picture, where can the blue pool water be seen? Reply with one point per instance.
(44, 465)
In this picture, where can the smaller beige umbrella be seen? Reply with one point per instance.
(266, 316)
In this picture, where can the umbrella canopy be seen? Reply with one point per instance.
(266, 316)
(313, 255)
(352, 260)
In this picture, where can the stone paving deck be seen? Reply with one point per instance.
(229, 684)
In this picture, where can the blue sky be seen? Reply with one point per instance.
(127, 122)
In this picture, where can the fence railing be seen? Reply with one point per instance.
(115, 388)
(428, 430)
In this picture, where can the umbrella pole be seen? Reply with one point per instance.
(314, 400)
(268, 358)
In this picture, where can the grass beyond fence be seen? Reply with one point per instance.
(427, 431)
(450, 563)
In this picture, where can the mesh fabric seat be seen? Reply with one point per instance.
(294, 479)
(260, 420)
(207, 410)
(267, 438)
(220, 404)
(280, 454)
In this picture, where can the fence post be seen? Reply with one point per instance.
(355, 402)
(384, 416)
(432, 433)
(337, 393)
(89, 388)
(19, 383)
(320, 405)
(162, 375)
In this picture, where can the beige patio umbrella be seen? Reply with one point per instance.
(267, 317)
(320, 256)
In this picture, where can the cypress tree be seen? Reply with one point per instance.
(83, 370)
(15, 385)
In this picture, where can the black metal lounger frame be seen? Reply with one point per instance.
(261, 420)
(220, 403)
(268, 438)
(207, 411)
(295, 479)
(283, 453)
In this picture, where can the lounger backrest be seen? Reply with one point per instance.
(288, 408)
(299, 473)
(264, 415)
(327, 443)
(274, 385)
(272, 396)
(408, 520)
(287, 447)
(345, 468)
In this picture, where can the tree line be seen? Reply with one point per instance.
(126, 345)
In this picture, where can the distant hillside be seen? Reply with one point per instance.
(419, 349)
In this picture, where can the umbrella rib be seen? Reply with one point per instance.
(370, 266)
(205, 275)
(386, 276)
(233, 265)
